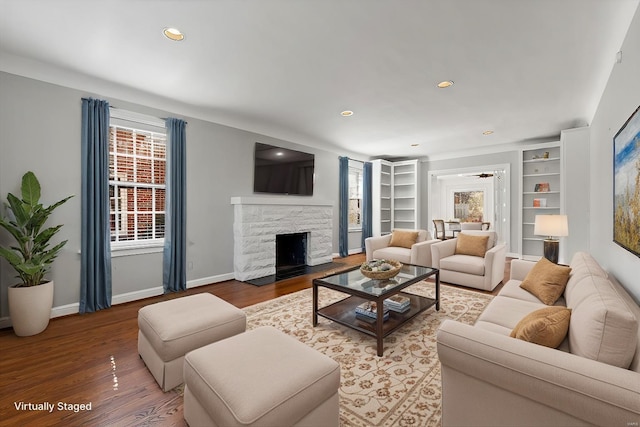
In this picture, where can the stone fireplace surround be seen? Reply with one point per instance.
(257, 221)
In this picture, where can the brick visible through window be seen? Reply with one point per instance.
(355, 197)
(137, 160)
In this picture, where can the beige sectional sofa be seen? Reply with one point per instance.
(592, 378)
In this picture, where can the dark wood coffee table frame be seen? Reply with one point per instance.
(343, 311)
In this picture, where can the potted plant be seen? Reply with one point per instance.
(31, 300)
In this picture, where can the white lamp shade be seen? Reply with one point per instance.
(551, 225)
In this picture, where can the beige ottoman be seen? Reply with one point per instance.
(260, 378)
(170, 329)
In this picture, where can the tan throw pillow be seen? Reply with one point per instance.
(547, 326)
(467, 244)
(546, 281)
(403, 239)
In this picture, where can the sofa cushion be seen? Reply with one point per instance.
(546, 281)
(507, 312)
(582, 265)
(463, 264)
(547, 326)
(603, 327)
(467, 244)
(512, 289)
(394, 253)
(403, 238)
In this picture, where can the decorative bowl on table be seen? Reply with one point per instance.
(380, 269)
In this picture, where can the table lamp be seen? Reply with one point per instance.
(552, 226)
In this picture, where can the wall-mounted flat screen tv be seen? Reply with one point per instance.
(280, 170)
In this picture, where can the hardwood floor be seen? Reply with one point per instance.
(92, 359)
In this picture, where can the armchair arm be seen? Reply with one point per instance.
(441, 250)
(372, 244)
(513, 382)
(494, 261)
(421, 252)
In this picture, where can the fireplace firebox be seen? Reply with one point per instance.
(291, 255)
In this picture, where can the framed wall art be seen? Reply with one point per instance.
(626, 184)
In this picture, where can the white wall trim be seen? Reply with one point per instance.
(490, 149)
(74, 308)
(5, 322)
(135, 117)
(433, 198)
(209, 280)
(278, 200)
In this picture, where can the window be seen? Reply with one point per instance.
(137, 159)
(468, 206)
(355, 197)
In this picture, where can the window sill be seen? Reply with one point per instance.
(128, 249)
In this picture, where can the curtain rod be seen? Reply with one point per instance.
(355, 160)
(135, 112)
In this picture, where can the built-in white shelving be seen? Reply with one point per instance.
(540, 194)
(395, 195)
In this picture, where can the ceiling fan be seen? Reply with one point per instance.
(483, 175)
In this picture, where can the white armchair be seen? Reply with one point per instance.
(402, 247)
(458, 267)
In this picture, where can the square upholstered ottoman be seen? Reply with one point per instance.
(170, 329)
(263, 377)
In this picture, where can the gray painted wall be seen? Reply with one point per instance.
(618, 101)
(40, 131)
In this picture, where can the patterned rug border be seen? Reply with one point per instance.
(400, 388)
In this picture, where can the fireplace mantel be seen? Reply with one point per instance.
(289, 200)
(257, 221)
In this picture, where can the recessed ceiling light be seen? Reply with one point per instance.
(346, 113)
(173, 34)
(487, 132)
(279, 153)
(446, 83)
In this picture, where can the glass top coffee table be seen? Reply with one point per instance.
(362, 291)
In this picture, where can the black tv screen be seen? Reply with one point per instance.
(280, 170)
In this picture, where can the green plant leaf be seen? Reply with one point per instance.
(42, 238)
(26, 218)
(55, 205)
(13, 229)
(11, 256)
(47, 257)
(30, 189)
(18, 209)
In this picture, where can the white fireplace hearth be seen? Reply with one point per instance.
(257, 221)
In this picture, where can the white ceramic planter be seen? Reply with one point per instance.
(30, 308)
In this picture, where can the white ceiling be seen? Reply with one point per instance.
(287, 68)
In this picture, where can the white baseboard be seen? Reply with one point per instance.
(209, 280)
(349, 252)
(5, 322)
(64, 310)
(137, 295)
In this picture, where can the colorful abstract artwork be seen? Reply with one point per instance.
(626, 185)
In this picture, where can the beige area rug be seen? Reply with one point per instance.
(402, 388)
